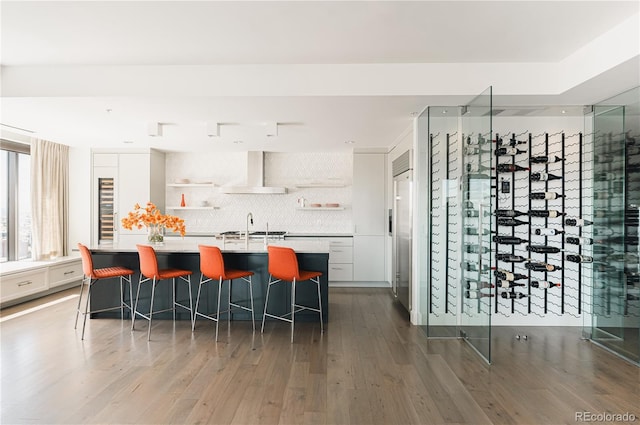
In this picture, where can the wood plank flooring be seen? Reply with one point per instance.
(370, 367)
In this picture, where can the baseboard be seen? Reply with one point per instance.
(365, 284)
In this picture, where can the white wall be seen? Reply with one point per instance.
(280, 211)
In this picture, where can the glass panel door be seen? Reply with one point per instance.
(475, 285)
(615, 300)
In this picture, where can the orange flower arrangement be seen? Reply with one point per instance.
(151, 216)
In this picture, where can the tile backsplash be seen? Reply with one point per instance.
(292, 170)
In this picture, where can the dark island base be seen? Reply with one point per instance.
(106, 293)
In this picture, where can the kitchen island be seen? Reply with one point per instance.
(184, 254)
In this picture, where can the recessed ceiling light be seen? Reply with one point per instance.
(444, 111)
(350, 142)
(413, 114)
(108, 110)
(128, 142)
(237, 142)
(564, 112)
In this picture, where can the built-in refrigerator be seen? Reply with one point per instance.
(402, 228)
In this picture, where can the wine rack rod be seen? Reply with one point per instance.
(513, 228)
(495, 230)
(564, 197)
(530, 229)
(431, 231)
(446, 223)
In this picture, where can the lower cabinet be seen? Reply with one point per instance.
(22, 284)
(22, 281)
(368, 258)
(65, 273)
(340, 259)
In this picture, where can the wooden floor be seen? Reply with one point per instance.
(370, 367)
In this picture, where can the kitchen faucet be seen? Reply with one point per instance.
(246, 235)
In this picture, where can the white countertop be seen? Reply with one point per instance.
(26, 265)
(235, 246)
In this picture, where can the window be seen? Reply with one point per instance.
(15, 201)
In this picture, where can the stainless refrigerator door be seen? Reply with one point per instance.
(402, 239)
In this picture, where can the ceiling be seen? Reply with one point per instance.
(91, 73)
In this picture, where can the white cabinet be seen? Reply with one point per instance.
(340, 259)
(24, 280)
(368, 258)
(369, 217)
(65, 273)
(22, 284)
(121, 180)
(369, 213)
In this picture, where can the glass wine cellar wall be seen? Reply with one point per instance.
(614, 302)
(531, 219)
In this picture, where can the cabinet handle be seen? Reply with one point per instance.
(337, 250)
(25, 283)
(336, 268)
(69, 272)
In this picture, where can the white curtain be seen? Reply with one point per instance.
(49, 199)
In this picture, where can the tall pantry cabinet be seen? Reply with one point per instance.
(369, 216)
(120, 179)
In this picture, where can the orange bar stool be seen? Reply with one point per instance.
(149, 272)
(283, 267)
(92, 276)
(212, 269)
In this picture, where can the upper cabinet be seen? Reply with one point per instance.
(119, 181)
(369, 213)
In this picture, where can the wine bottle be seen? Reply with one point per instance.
(473, 267)
(602, 249)
(508, 240)
(546, 213)
(475, 213)
(545, 195)
(476, 249)
(474, 231)
(509, 213)
(507, 275)
(474, 285)
(549, 232)
(510, 258)
(509, 284)
(478, 141)
(476, 176)
(511, 142)
(540, 266)
(476, 168)
(604, 176)
(543, 284)
(509, 168)
(544, 177)
(579, 241)
(545, 159)
(601, 194)
(579, 222)
(543, 249)
(509, 151)
(631, 297)
(512, 222)
(575, 258)
(476, 294)
(624, 240)
(475, 150)
(513, 295)
(602, 231)
(601, 158)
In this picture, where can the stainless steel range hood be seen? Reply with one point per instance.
(255, 178)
